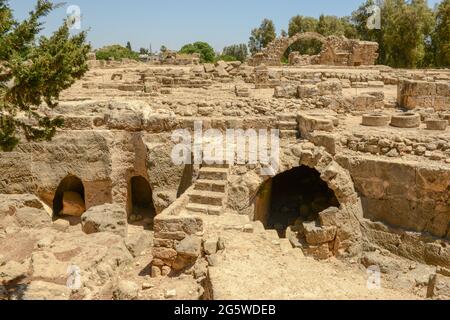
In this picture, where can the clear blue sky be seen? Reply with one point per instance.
(177, 22)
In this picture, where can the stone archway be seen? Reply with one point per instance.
(140, 201)
(273, 54)
(336, 231)
(294, 196)
(69, 199)
(303, 37)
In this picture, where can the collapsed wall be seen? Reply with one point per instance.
(424, 94)
(338, 51)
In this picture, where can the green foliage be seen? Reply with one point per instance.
(206, 52)
(34, 71)
(411, 34)
(441, 35)
(116, 52)
(129, 46)
(225, 57)
(330, 26)
(302, 24)
(238, 52)
(405, 34)
(359, 19)
(262, 36)
(405, 27)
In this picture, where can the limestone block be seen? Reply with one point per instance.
(105, 218)
(321, 252)
(286, 91)
(307, 91)
(316, 235)
(40, 290)
(126, 290)
(32, 218)
(73, 204)
(366, 102)
(436, 124)
(329, 217)
(443, 89)
(376, 84)
(330, 87)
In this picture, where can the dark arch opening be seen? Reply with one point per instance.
(142, 208)
(295, 195)
(69, 198)
(304, 46)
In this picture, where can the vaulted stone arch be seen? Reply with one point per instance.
(346, 218)
(335, 51)
(274, 52)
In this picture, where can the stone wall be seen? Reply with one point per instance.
(410, 196)
(424, 94)
(177, 239)
(338, 51)
(246, 183)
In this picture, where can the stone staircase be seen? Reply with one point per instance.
(288, 126)
(210, 191)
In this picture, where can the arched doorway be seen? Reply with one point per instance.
(142, 209)
(69, 198)
(294, 196)
(303, 51)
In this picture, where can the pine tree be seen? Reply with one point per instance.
(33, 72)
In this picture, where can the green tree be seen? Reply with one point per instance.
(302, 24)
(143, 51)
(349, 28)
(129, 46)
(441, 35)
(329, 25)
(206, 52)
(406, 26)
(33, 72)
(262, 36)
(360, 19)
(116, 52)
(238, 51)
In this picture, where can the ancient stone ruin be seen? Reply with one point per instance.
(336, 51)
(103, 212)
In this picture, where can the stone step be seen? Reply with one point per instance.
(207, 197)
(215, 165)
(285, 245)
(208, 173)
(288, 134)
(287, 125)
(211, 185)
(205, 209)
(271, 235)
(287, 117)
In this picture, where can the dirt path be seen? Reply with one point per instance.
(258, 266)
